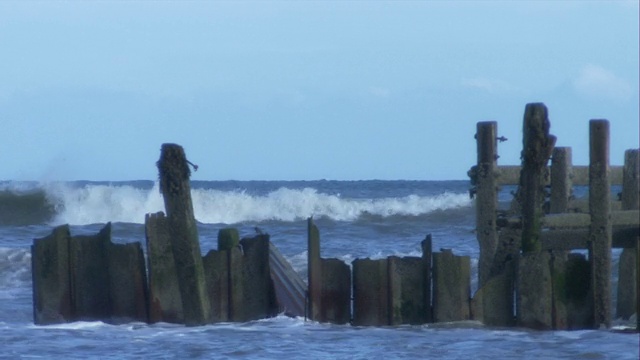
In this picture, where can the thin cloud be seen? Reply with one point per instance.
(493, 86)
(597, 82)
(379, 92)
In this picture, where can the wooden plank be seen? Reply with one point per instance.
(510, 175)
(336, 292)
(486, 196)
(289, 287)
(50, 274)
(89, 274)
(627, 291)
(165, 303)
(600, 228)
(314, 270)
(451, 286)
(561, 184)
(623, 237)
(427, 246)
(370, 292)
(579, 220)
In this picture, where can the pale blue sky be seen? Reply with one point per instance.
(304, 90)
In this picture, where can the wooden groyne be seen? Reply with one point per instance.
(91, 278)
(527, 247)
(528, 272)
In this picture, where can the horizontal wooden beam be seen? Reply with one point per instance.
(571, 230)
(574, 220)
(577, 220)
(570, 239)
(510, 175)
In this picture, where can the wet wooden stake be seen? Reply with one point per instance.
(627, 293)
(50, 274)
(561, 192)
(600, 229)
(537, 148)
(427, 251)
(638, 284)
(486, 197)
(165, 302)
(561, 183)
(314, 271)
(176, 191)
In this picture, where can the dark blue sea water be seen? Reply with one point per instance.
(356, 219)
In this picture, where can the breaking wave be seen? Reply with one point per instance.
(100, 203)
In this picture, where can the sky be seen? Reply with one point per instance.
(340, 90)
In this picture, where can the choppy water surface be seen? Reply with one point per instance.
(356, 219)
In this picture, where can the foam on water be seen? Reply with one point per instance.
(93, 203)
(15, 269)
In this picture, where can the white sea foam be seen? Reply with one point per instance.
(124, 203)
(15, 269)
(102, 203)
(78, 325)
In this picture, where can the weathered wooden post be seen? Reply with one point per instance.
(314, 270)
(370, 292)
(561, 193)
(537, 147)
(127, 282)
(577, 289)
(427, 251)
(534, 286)
(406, 291)
(630, 180)
(236, 288)
(50, 274)
(638, 284)
(561, 183)
(600, 229)
(486, 197)
(451, 286)
(627, 292)
(228, 238)
(89, 274)
(165, 302)
(259, 301)
(216, 270)
(176, 190)
(336, 292)
(329, 290)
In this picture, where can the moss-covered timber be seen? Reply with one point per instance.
(176, 190)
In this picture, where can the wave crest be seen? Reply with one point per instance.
(98, 203)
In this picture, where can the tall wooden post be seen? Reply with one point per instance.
(638, 284)
(537, 148)
(314, 270)
(426, 261)
(627, 290)
(561, 191)
(486, 197)
(561, 183)
(176, 191)
(630, 180)
(600, 210)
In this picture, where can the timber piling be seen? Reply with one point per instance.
(176, 192)
(527, 272)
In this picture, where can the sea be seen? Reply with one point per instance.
(356, 219)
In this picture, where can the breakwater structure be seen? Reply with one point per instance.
(529, 274)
